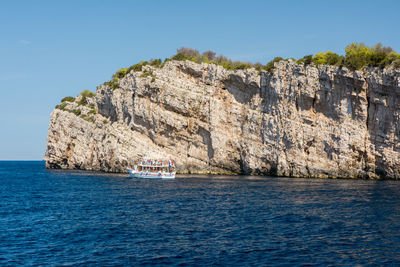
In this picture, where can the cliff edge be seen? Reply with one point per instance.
(301, 121)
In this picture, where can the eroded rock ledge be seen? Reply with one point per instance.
(312, 121)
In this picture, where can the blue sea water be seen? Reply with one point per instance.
(54, 217)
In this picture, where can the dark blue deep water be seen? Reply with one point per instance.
(50, 217)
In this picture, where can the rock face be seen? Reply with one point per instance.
(312, 121)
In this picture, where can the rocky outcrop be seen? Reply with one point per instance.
(313, 121)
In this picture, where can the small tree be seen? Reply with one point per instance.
(306, 59)
(385, 49)
(357, 56)
(156, 63)
(87, 93)
(138, 67)
(210, 55)
(221, 58)
(120, 73)
(188, 52)
(327, 58)
(270, 65)
(68, 99)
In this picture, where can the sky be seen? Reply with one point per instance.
(53, 49)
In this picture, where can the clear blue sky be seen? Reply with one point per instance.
(52, 49)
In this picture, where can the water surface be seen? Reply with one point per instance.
(54, 217)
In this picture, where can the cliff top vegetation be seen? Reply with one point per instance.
(357, 56)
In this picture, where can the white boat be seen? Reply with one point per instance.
(153, 169)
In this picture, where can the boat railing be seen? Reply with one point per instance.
(149, 165)
(153, 163)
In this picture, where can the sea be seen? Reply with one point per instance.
(57, 217)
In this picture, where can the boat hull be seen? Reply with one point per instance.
(155, 175)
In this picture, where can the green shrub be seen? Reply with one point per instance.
(306, 60)
(357, 56)
(237, 65)
(391, 58)
(68, 99)
(87, 93)
(83, 101)
(88, 118)
(138, 67)
(396, 63)
(360, 55)
(185, 53)
(327, 58)
(62, 106)
(180, 57)
(221, 59)
(226, 64)
(112, 84)
(210, 55)
(120, 73)
(258, 66)
(105, 121)
(376, 59)
(92, 111)
(270, 65)
(147, 73)
(156, 63)
(77, 112)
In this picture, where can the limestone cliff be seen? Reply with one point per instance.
(314, 121)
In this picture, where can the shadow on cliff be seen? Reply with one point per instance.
(243, 91)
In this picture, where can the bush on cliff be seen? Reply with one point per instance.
(396, 63)
(327, 58)
(270, 65)
(77, 112)
(112, 84)
(84, 95)
(357, 56)
(88, 118)
(120, 73)
(185, 53)
(156, 63)
(360, 55)
(87, 93)
(137, 67)
(209, 55)
(190, 54)
(147, 73)
(83, 101)
(61, 106)
(306, 60)
(68, 99)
